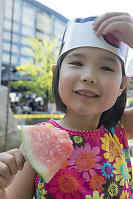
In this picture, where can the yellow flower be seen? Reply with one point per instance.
(41, 191)
(131, 182)
(42, 197)
(95, 196)
(40, 185)
(112, 147)
(125, 195)
(121, 171)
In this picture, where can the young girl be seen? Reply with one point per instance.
(89, 85)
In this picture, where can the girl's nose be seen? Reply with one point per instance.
(89, 77)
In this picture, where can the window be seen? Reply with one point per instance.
(27, 31)
(17, 10)
(15, 38)
(7, 36)
(16, 27)
(24, 50)
(8, 3)
(44, 23)
(24, 60)
(8, 12)
(41, 36)
(59, 27)
(28, 11)
(17, 5)
(15, 49)
(6, 46)
(16, 16)
(28, 21)
(5, 58)
(14, 59)
(28, 17)
(24, 41)
(8, 26)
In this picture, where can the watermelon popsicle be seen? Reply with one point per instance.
(46, 148)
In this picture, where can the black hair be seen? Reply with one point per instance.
(110, 117)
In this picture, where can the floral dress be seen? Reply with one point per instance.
(99, 167)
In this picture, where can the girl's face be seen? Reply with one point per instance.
(90, 80)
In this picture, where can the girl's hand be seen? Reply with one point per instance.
(118, 24)
(10, 162)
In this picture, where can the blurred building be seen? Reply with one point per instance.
(30, 19)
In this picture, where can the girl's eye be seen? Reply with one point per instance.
(77, 63)
(106, 68)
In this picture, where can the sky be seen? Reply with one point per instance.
(84, 8)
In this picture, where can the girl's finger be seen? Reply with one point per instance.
(4, 170)
(111, 24)
(19, 158)
(104, 17)
(110, 28)
(10, 163)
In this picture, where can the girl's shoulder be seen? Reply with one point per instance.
(127, 121)
(118, 132)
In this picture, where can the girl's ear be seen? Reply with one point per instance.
(125, 81)
(53, 68)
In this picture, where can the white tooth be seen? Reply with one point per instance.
(87, 94)
(81, 92)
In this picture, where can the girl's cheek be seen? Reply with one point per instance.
(66, 76)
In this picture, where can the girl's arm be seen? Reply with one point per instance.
(22, 186)
(17, 175)
(127, 121)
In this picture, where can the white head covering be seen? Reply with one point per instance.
(80, 33)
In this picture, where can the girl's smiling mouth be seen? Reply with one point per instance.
(86, 93)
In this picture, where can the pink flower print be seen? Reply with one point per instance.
(92, 139)
(86, 160)
(119, 130)
(96, 139)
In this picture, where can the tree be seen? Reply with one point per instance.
(38, 71)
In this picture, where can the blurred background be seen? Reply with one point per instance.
(30, 38)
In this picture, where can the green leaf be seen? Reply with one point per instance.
(38, 72)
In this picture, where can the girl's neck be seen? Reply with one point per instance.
(80, 122)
